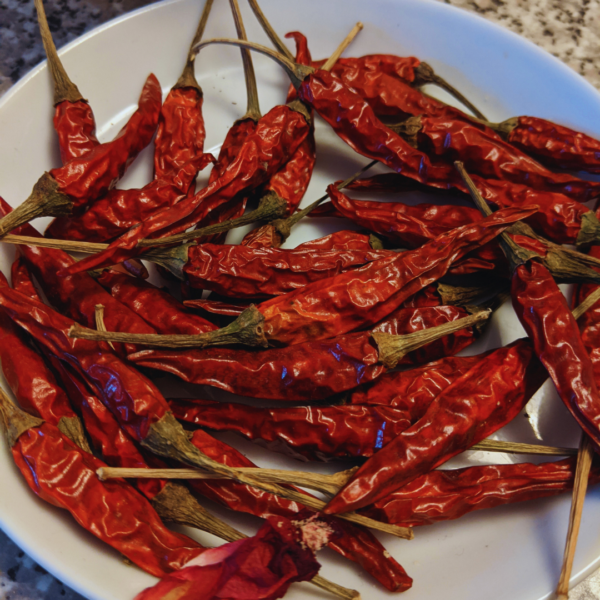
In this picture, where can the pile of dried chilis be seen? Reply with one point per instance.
(360, 330)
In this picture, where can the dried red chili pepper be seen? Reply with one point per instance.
(342, 240)
(157, 307)
(218, 307)
(178, 156)
(309, 432)
(65, 476)
(356, 544)
(73, 121)
(484, 399)
(82, 180)
(262, 566)
(554, 145)
(444, 495)
(312, 370)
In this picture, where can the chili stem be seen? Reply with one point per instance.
(64, 88)
(69, 245)
(187, 78)
(340, 49)
(99, 318)
(584, 463)
(424, 74)
(392, 348)
(275, 39)
(253, 108)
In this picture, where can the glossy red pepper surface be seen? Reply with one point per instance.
(65, 476)
(484, 399)
(308, 432)
(75, 126)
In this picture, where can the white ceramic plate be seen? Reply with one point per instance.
(512, 552)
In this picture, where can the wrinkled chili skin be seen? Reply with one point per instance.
(28, 376)
(413, 390)
(544, 313)
(360, 298)
(131, 397)
(242, 272)
(356, 544)
(65, 476)
(445, 495)
(181, 133)
(305, 432)
(484, 399)
(401, 67)
(90, 176)
(311, 370)
(157, 307)
(339, 240)
(555, 145)
(75, 127)
(558, 217)
(21, 279)
(78, 295)
(120, 210)
(275, 139)
(483, 152)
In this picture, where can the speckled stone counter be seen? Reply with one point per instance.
(569, 29)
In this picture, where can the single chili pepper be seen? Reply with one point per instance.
(554, 145)
(262, 566)
(63, 475)
(178, 156)
(445, 495)
(346, 302)
(74, 121)
(33, 383)
(157, 307)
(218, 307)
(484, 399)
(309, 371)
(560, 219)
(545, 316)
(134, 400)
(75, 295)
(356, 544)
(71, 188)
(308, 432)
(242, 272)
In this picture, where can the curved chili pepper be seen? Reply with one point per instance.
(484, 399)
(242, 272)
(356, 544)
(65, 476)
(444, 495)
(158, 308)
(311, 370)
(554, 145)
(305, 432)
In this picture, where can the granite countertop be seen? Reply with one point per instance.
(566, 28)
